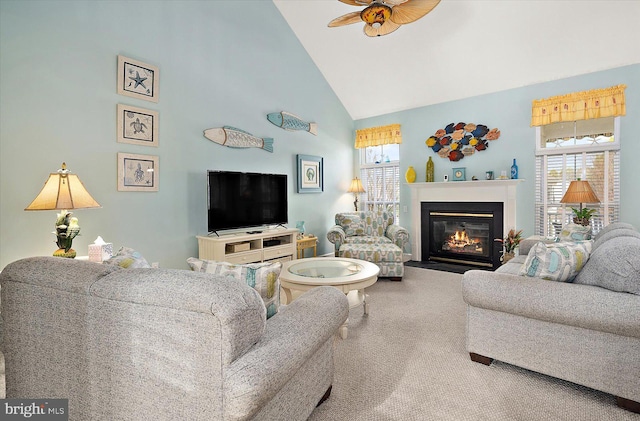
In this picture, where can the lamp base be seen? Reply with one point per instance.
(71, 254)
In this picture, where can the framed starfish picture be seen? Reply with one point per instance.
(137, 79)
(137, 125)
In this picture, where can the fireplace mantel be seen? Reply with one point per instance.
(461, 191)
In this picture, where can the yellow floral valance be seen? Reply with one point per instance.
(597, 103)
(374, 136)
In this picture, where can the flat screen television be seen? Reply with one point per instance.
(242, 200)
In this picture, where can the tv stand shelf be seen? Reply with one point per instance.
(268, 245)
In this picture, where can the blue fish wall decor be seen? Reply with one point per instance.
(236, 138)
(292, 122)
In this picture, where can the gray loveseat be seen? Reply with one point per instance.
(586, 332)
(161, 344)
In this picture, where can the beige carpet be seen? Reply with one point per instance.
(406, 360)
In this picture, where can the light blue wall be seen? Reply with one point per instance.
(510, 111)
(221, 63)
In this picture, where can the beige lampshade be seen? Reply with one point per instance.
(356, 186)
(63, 190)
(580, 191)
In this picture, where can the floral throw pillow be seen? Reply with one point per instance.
(263, 277)
(558, 262)
(128, 258)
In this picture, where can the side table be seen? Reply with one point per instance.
(304, 243)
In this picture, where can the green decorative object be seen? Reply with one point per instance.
(67, 229)
(430, 171)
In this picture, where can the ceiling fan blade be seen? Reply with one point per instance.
(386, 28)
(356, 2)
(349, 18)
(412, 10)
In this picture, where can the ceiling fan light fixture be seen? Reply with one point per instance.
(384, 29)
(375, 14)
(378, 17)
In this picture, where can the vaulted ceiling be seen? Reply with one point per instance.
(463, 48)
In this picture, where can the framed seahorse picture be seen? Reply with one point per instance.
(137, 125)
(137, 79)
(138, 172)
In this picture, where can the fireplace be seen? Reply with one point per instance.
(462, 232)
(483, 191)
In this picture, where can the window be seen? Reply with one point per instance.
(586, 149)
(380, 174)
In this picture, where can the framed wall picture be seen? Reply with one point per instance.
(309, 174)
(137, 79)
(137, 172)
(137, 125)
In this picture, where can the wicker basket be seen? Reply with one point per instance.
(581, 221)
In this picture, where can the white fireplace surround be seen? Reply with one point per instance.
(461, 191)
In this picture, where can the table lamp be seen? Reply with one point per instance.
(356, 188)
(580, 191)
(63, 191)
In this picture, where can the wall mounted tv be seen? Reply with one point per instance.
(242, 200)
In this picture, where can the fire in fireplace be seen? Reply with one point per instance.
(460, 242)
(462, 232)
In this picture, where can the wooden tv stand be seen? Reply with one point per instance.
(272, 245)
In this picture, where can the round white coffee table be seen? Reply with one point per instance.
(345, 274)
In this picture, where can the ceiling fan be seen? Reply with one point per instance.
(381, 17)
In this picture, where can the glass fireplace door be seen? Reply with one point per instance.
(464, 238)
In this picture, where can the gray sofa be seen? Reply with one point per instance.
(586, 332)
(161, 344)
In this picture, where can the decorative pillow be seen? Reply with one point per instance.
(352, 224)
(614, 265)
(128, 258)
(575, 232)
(559, 262)
(263, 277)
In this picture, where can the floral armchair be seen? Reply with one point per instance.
(367, 227)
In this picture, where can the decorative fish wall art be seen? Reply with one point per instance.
(292, 122)
(456, 141)
(237, 138)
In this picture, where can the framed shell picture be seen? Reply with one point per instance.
(137, 172)
(137, 125)
(137, 79)
(310, 174)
